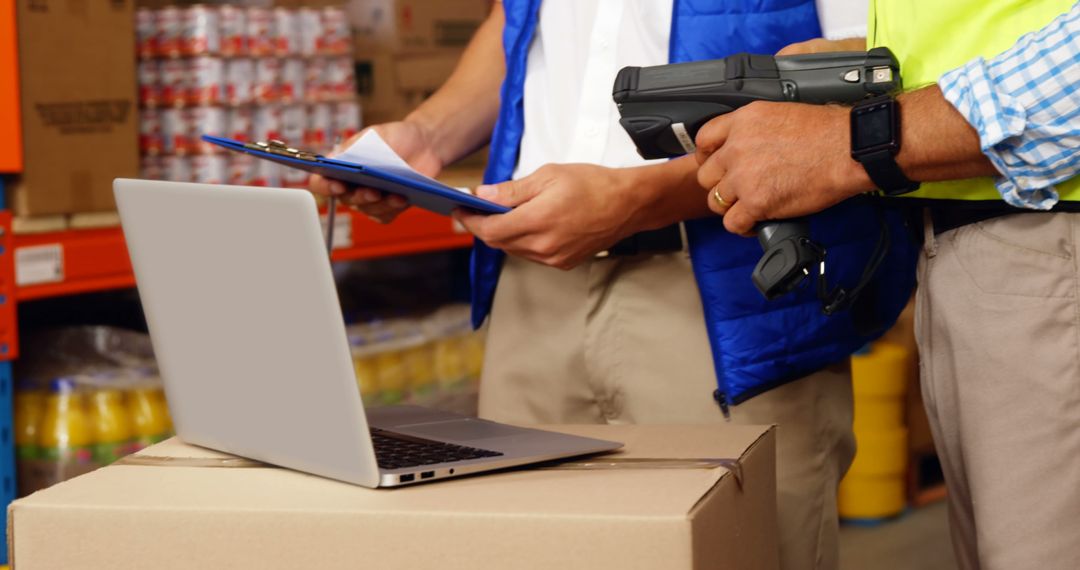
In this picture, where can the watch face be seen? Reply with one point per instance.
(873, 127)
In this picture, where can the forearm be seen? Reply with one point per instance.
(822, 45)
(937, 144)
(851, 44)
(459, 117)
(937, 141)
(670, 193)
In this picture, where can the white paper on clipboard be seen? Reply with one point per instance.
(371, 150)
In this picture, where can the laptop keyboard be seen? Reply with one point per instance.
(397, 451)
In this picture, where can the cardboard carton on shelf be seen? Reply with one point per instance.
(78, 105)
(399, 83)
(392, 85)
(380, 97)
(406, 49)
(402, 26)
(171, 513)
(466, 175)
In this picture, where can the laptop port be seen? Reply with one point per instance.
(427, 474)
(406, 478)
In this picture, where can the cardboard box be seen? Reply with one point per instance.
(392, 85)
(79, 113)
(401, 26)
(173, 515)
(406, 49)
(424, 73)
(376, 83)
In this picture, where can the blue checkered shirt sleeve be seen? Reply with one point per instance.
(1025, 105)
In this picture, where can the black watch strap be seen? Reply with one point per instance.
(886, 174)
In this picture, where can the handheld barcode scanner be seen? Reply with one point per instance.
(664, 106)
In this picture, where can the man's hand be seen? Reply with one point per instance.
(456, 120)
(563, 213)
(771, 161)
(779, 160)
(411, 142)
(822, 45)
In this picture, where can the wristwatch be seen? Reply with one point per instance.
(875, 141)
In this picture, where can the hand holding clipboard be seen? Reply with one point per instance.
(368, 162)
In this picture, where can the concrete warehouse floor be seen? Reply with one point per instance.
(918, 540)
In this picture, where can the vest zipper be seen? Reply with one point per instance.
(721, 399)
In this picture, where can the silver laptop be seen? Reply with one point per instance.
(249, 335)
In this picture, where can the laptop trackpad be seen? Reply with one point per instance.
(460, 430)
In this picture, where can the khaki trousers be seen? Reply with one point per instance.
(998, 326)
(623, 340)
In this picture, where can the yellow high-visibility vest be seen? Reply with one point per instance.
(932, 37)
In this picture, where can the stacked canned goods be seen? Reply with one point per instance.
(245, 73)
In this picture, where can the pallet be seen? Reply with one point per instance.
(94, 220)
(24, 225)
(462, 177)
(926, 482)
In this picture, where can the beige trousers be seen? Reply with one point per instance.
(998, 326)
(623, 341)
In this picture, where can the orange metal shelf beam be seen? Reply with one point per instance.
(420, 245)
(97, 260)
(93, 260)
(11, 159)
(415, 231)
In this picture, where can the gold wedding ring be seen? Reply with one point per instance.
(719, 199)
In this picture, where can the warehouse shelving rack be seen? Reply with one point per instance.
(88, 260)
(10, 162)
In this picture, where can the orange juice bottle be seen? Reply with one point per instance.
(393, 376)
(449, 362)
(150, 378)
(161, 413)
(29, 408)
(473, 342)
(419, 361)
(110, 425)
(65, 436)
(148, 417)
(367, 373)
(163, 405)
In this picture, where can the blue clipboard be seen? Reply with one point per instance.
(429, 195)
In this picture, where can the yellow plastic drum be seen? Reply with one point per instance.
(879, 381)
(875, 485)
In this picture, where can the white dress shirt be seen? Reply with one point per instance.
(579, 47)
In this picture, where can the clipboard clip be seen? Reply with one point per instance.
(274, 146)
(279, 148)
